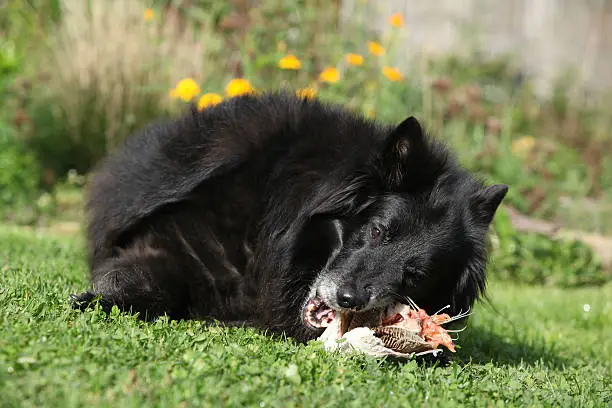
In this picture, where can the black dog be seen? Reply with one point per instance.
(253, 209)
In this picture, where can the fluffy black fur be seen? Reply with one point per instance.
(244, 211)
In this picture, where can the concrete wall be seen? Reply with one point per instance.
(546, 36)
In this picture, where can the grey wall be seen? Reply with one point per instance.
(546, 36)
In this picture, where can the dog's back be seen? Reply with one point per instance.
(164, 163)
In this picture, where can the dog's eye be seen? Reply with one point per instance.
(375, 232)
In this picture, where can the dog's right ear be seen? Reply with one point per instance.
(403, 148)
(486, 201)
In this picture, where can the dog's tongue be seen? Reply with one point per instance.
(318, 314)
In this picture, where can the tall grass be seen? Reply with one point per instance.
(106, 72)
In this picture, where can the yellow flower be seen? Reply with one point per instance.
(375, 48)
(393, 74)
(306, 93)
(238, 86)
(396, 20)
(148, 14)
(523, 145)
(330, 75)
(186, 90)
(289, 62)
(209, 99)
(354, 59)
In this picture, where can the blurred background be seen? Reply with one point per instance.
(522, 89)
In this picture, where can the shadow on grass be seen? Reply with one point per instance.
(478, 345)
(481, 346)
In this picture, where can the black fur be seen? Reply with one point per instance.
(242, 211)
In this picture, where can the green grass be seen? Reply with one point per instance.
(533, 346)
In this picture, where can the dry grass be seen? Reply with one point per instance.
(109, 69)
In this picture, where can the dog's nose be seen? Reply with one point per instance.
(350, 298)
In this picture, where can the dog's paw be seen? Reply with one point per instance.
(441, 360)
(83, 301)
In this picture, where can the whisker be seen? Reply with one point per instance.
(406, 299)
(456, 330)
(444, 308)
(411, 303)
(459, 316)
(435, 352)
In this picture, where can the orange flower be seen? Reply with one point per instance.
(306, 93)
(375, 48)
(396, 20)
(290, 62)
(238, 86)
(209, 99)
(148, 14)
(354, 59)
(186, 90)
(330, 75)
(393, 74)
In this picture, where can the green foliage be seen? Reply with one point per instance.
(19, 178)
(488, 109)
(21, 17)
(532, 258)
(19, 171)
(106, 74)
(80, 107)
(9, 62)
(77, 134)
(536, 347)
(538, 178)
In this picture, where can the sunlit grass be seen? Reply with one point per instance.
(530, 346)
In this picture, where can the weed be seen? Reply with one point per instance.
(107, 72)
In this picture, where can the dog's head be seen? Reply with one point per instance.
(423, 236)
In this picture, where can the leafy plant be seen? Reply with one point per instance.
(108, 67)
(19, 178)
(106, 74)
(532, 258)
(19, 171)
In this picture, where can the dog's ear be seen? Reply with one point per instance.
(486, 201)
(405, 146)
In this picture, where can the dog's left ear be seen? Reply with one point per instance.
(404, 146)
(486, 202)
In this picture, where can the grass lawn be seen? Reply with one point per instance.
(533, 346)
